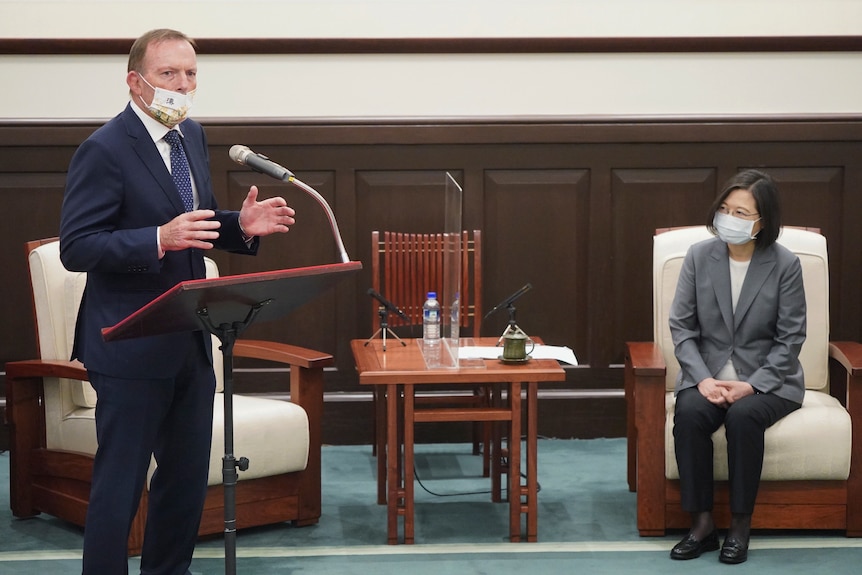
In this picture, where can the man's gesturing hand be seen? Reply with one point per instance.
(189, 230)
(261, 218)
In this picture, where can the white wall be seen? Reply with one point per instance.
(374, 85)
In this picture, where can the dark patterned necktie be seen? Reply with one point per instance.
(180, 169)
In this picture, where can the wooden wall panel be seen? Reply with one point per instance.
(537, 231)
(308, 243)
(643, 200)
(568, 205)
(30, 209)
(813, 197)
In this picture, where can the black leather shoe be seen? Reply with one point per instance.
(733, 551)
(691, 548)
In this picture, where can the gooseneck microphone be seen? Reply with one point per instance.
(260, 163)
(387, 304)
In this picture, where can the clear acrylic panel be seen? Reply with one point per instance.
(450, 302)
(446, 355)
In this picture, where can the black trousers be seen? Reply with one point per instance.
(135, 418)
(745, 421)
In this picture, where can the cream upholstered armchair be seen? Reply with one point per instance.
(812, 470)
(51, 411)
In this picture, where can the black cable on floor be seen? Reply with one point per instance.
(505, 463)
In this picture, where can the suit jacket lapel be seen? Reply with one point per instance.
(146, 150)
(762, 264)
(719, 273)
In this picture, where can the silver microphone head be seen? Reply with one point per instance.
(239, 154)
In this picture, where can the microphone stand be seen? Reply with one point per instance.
(383, 311)
(383, 314)
(509, 304)
(228, 334)
(259, 163)
(512, 326)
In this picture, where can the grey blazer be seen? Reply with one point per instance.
(765, 334)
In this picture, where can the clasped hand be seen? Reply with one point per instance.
(724, 393)
(197, 229)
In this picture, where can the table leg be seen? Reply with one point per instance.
(496, 448)
(532, 461)
(380, 440)
(393, 456)
(408, 463)
(515, 463)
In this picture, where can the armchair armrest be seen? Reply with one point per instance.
(25, 413)
(645, 372)
(646, 358)
(306, 374)
(39, 368)
(282, 353)
(845, 375)
(25, 410)
(645, 386)
(848, 355)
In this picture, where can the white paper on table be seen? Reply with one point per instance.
(560, 353)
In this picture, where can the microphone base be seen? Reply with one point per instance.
(382, 332)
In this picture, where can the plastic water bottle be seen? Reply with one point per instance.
(431, 320)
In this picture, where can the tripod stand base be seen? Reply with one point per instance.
(510, 328)
(383, 331)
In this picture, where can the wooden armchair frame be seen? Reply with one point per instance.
(57, 482)
(780, 504)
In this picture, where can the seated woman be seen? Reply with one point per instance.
(738, 324)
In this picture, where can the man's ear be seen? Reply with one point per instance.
(135, 84)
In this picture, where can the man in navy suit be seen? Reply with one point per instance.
(124, 222)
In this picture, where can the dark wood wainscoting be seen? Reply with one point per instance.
(568, 205)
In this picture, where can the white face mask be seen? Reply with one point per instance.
(733, 230)
(169, 108)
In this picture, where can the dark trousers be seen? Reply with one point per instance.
(745, 421)
(136, 418)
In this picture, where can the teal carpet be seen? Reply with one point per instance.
(586, 525)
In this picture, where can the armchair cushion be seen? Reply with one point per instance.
(82, 393)
(272, 434)
(811, 443)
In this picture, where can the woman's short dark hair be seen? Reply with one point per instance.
(765, 193)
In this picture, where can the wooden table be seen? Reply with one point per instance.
(400, 369)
